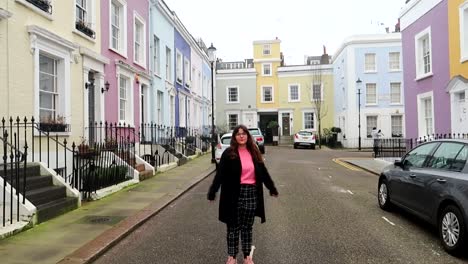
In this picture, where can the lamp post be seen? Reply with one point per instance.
(212, 58)
(358, 84)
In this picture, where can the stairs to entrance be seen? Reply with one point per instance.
(50, 200)
(286, 140)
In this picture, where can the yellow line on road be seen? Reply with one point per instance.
(346, 165)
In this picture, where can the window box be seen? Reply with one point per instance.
(179, 80)
(51, 127)
(86, 29)
(187, 85)
(44, 5)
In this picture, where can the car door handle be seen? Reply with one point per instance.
(412, 175)
(441, 180)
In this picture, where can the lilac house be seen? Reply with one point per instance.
(424, 28)
(182, 74)
(124, 27)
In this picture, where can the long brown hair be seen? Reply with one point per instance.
(251, 145)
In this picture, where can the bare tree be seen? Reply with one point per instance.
(316, 96)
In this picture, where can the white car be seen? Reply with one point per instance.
(304, 138)
(223, 143)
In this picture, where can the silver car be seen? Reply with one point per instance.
(258, 137)
(223, 143)
(431, 182)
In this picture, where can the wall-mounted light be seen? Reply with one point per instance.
(105, 89)
(88, 85)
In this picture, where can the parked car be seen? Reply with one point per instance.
(431, 182)
(223, 143)
(258, 137)
(304, 138)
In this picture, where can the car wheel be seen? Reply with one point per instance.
(452, 229)
(262, 149)
(383, 195)
(295, 146)
(313, 146)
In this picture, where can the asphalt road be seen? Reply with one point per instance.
(325, 213)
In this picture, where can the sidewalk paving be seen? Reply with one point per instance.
(371, 165)
(81, 235)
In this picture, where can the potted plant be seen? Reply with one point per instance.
(85, 28)
(53, 124)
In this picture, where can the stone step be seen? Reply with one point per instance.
(146, 175)
(55, 208)
(46, 194)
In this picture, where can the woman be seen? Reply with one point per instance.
(241, 173)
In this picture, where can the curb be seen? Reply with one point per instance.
(98, 246)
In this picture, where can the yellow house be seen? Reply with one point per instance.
(267, 59)
(50, 63)
(305, 98)
(458, 46)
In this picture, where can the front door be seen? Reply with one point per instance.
(285, 129)
(91, 107)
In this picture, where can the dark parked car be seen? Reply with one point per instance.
(431, 181)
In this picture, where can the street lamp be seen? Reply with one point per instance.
(212, 58)
(358, 84)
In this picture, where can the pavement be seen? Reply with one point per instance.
(84, 234)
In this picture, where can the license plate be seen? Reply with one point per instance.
(305, 138)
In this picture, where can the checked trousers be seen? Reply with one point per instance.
(245, 218)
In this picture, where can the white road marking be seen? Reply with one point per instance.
(384, 218)
(350, 192)
(435, 252)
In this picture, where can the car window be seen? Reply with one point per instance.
(460, 159)
(226, 140)
(444, 156)
(254, 132)
(417, 156)
(305, 133)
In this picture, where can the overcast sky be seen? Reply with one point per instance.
(303, 26)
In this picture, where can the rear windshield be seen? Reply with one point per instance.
(226, 140)
(254, 132)
(305, 133)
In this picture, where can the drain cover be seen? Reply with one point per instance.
(101, 220)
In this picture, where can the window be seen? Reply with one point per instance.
(266, 69)
(159, 115)
(294, 93)
(267, 94)
(48, 91)
(417, 156)
(156, 56)
(449, 156)
(182, 111)
(371, 93)
(168, 64)
(395, 93)
(427, 104)
(464, 32)
(309, 120)
(370, 65)
(118, 13)
(317, 92)
(423, 54)
(394, 61)
(397, 126)
(139, 40)
(233, 121)
(123, 98)
(179, 67)
(187, 72)
(266, 49)
(371, 122)
(233, 94)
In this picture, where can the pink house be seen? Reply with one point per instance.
(124, 29)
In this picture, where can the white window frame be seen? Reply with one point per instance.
(314, 120)
(419, 58)
(159, 107)
(122, 40)
(228, 101)
(229, 121)
(391, 125)
(182, 111)
(376, 95)
(263, 69)
(298, 92)
(90, 18)
(56, 88)
(422, 128)
(367, 68)
(272, 94)
(391, 63)
(312, 91)
(187, 72)
(129, 111)
(142, 47)
(266, 49)
(179, 67)
(168, 64)
(369, 128)
(156, 55)
(463, 15)
(400, 94)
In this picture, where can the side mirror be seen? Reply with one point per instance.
(398, 163)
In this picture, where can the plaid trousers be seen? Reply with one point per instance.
(245, 218)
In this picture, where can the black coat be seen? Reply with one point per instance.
(228, 177)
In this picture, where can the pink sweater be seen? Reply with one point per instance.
(248, 169)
